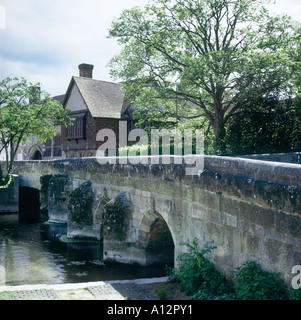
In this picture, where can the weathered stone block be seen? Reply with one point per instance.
(2, 276)
(215, 233)
(80, 213)
(250, 215)
(263, 217)
(199, 213)
(58, 192)
(208, 199)
(274, 250)
(251, 244)
(44, 180)
(294, 226)
(228, 220)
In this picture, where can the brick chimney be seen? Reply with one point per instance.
(85, 70)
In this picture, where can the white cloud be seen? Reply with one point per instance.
(289, 7)
(45, 41)
(2, 17)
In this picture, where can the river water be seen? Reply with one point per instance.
(33, 254)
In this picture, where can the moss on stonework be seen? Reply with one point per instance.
(116, 218)
(58, 188)
(80, 204)
(59, 180)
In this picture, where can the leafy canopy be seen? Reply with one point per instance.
(25, 112)
(203, 58)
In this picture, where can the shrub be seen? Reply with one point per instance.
(172, 274)
(252, 283)
(295, 294)
(197, 275)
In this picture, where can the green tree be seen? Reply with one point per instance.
(271, 126)
(296, 55)
(25, 112)
(203, 58)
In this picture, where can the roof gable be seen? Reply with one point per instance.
(103, 99)
(75, 101)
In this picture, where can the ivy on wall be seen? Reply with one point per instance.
(116, 218)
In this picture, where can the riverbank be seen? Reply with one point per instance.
(138, 289)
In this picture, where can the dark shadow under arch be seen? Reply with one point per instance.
(29, 205)
(156, 238)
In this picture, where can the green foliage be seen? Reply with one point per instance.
(147, 150)
(268, 127)
(6, 180)
(197, 275)
(295, 294)
(25, 112)
(161, 293)
(172, 148)
(199, 278)
(185, 60)
(252, 283)
(115, 219)
(80, 204)
(172, 274)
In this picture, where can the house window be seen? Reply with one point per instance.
(48, 146)
(53, 147)
(57, 152)
(78, 128)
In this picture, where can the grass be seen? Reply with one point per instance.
(167, 291)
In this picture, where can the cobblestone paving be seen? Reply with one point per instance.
(139, 289)
(104, 292)
(41, 294)
(115, 291)
(120, 291)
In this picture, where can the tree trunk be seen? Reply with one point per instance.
(219, 132)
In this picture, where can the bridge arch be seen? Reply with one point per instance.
(156, 238)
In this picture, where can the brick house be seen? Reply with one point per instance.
(94, 105)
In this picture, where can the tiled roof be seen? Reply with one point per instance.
(103, 99)
(59, 98)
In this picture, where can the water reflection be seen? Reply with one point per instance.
(33, 254)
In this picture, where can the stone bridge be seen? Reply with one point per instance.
(248, 209)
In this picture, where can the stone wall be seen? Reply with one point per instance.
(80, 213)
(294, 157)
(248, 209)
(9, 197)
(58, 193)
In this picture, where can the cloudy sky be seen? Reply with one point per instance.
(45, 40)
